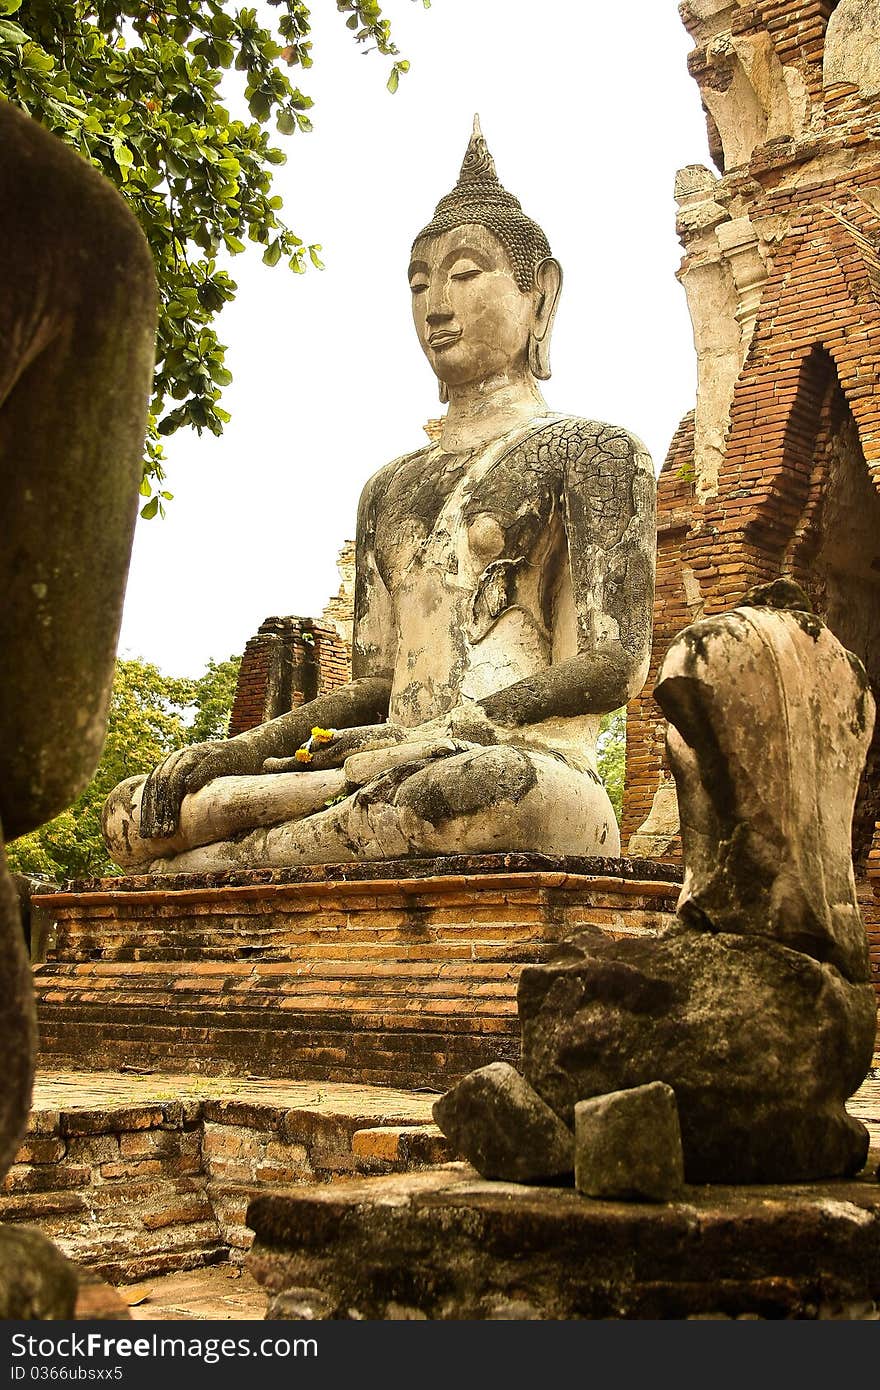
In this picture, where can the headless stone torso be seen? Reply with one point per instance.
(472, 552)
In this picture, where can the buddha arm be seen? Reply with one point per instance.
(608, 508)
(363, 701)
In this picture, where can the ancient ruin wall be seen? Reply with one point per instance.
(779, 470)
(291, 660)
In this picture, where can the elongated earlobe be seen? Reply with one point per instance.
(548, 284)
(444, 393)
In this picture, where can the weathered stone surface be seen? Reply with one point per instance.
(657, 834)
(495, 1120)
(36, 1281)
(504, 581)
(438, 866)
(761, 1045)
(17, 1020)
(628, 1144)
(755, 1008)
(450, 1246)
(852, 46)
(36, 921)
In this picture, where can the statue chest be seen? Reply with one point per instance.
(449, 520)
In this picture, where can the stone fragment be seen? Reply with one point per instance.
(628, 1145)
(502, 1126)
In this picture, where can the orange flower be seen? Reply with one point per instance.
(303, 755)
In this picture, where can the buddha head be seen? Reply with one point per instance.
(484, 285)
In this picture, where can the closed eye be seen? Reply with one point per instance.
(465, 274)
(418, 286)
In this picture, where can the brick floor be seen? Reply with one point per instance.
(217, 1293)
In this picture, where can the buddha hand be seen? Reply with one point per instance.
(332, 751)
(187, 770)
(467, 722)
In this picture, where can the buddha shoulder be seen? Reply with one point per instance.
(590, 444)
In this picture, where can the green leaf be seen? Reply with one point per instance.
(393, 80)
(143, 92)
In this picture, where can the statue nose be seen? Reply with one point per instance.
(438, 307)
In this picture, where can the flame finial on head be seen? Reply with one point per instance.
(480, 197)
(478, 166)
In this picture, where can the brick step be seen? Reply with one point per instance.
(354, 920)
(231, 974)
(399, 981)
(519, 947)
(140, 1187)
(352, 941)
(194, 1021)
(400, 1052)
(286, 994)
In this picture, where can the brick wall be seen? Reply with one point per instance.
(778, 469)
(291, 660)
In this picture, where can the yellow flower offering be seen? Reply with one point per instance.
(322, 736)
(303, 755)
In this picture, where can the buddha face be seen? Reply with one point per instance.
(473, 320)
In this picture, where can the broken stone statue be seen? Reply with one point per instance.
(77, 335)
(504, 582)
(755, 1007)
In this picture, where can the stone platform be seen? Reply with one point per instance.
(449, 1245)
(400, 974)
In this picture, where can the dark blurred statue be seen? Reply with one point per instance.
(77, 339)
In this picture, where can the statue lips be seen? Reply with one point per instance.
(443, 338)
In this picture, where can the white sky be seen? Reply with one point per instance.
(589, 111)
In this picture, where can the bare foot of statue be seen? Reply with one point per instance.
(503, 601)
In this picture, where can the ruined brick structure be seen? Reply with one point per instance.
(291, 660)
(778, 468)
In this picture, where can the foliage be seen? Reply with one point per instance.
(612, 756)
(150, 715)
(213, 694)
(141, 90)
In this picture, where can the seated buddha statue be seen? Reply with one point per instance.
(503, 601)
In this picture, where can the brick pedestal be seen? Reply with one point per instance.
(396, 974)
